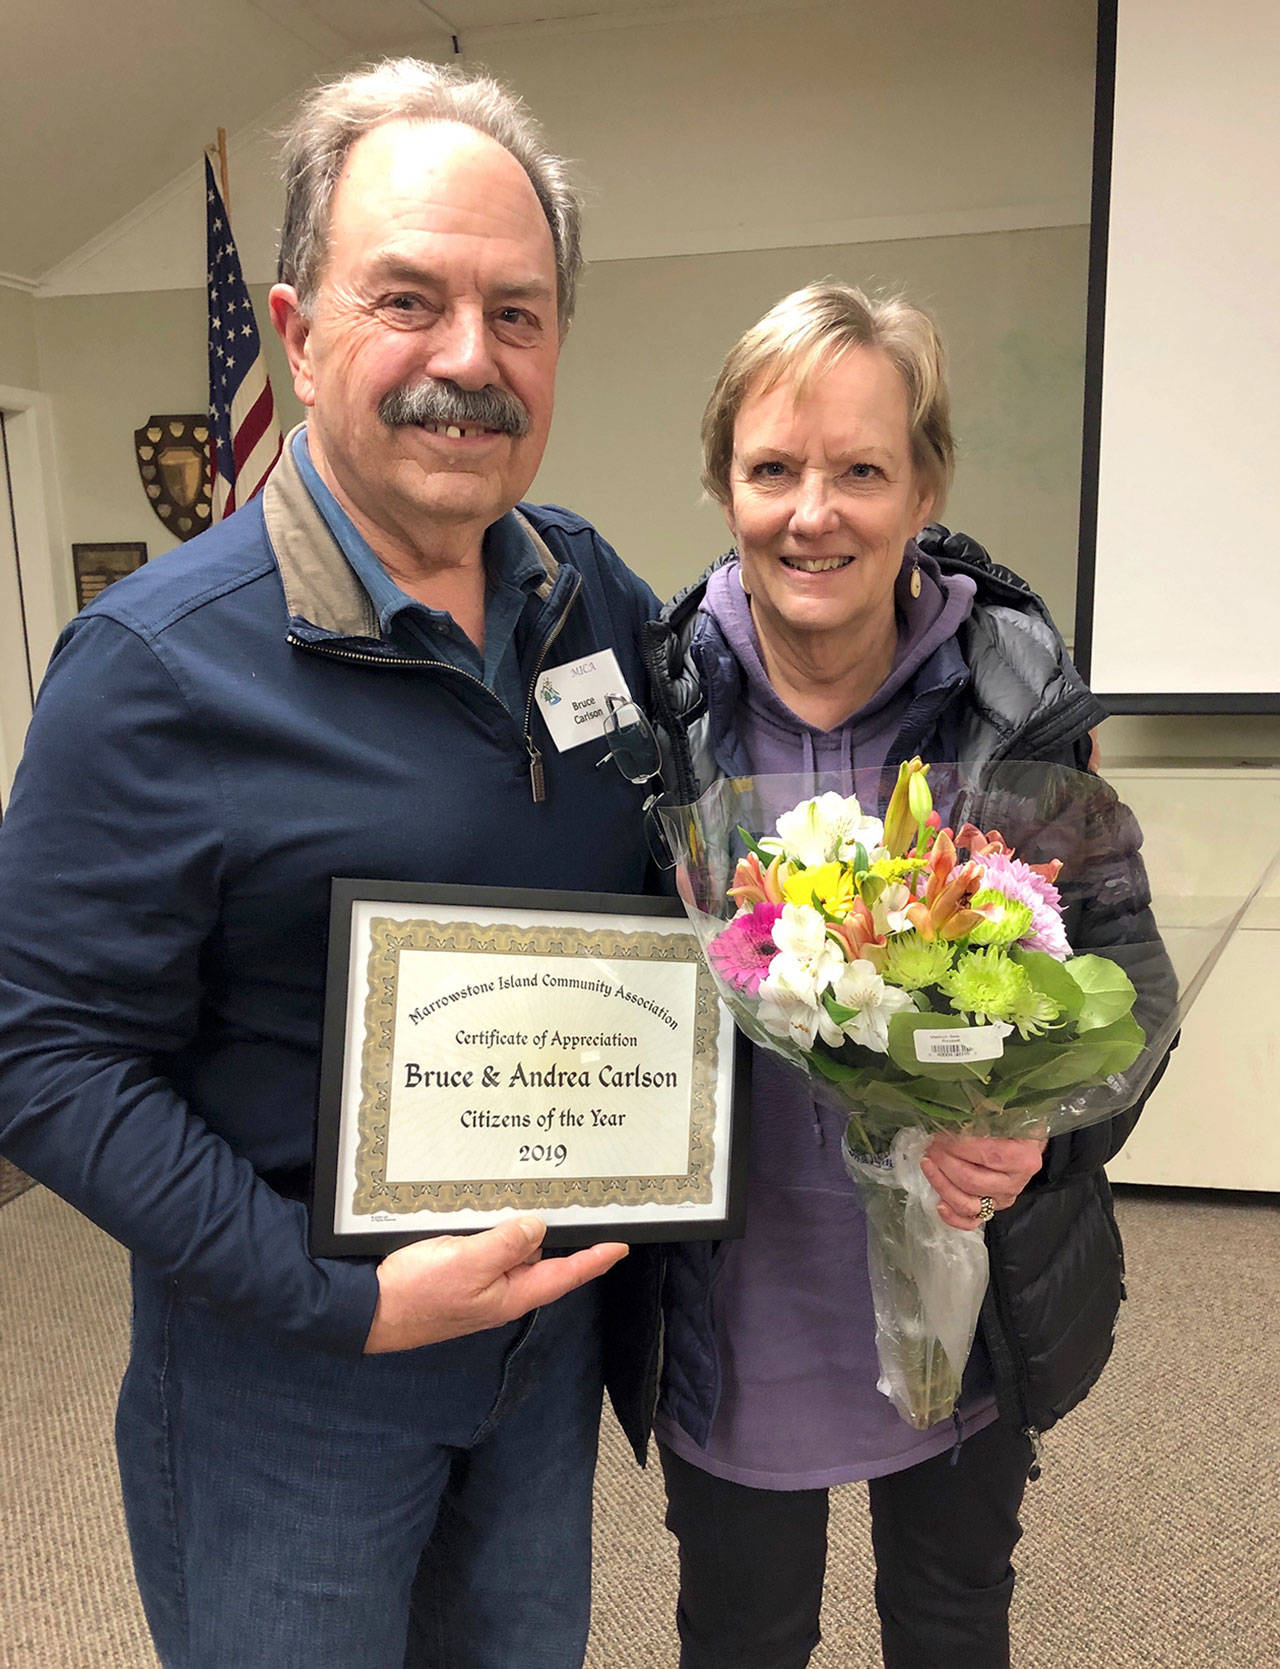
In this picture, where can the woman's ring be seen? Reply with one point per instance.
(986, 1209)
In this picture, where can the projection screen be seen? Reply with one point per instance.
(1178, 602)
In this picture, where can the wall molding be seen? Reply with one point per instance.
(710, 240)
(728, 240)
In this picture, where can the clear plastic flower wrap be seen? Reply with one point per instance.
(942, 954)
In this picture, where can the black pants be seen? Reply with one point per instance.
(752, 1561)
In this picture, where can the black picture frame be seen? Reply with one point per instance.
(343, 1116)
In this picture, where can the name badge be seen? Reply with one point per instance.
(571, 697)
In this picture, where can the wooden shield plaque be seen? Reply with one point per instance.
(173, 461)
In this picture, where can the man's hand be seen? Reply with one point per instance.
(441, 1289)
(965, 1170)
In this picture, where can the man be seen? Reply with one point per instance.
(337, 680)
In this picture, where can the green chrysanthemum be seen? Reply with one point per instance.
(1006, 928)
(913, 962)
(988, 986)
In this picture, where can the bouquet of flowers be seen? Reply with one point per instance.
(923, 975)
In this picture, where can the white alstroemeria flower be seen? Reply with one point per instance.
(789, 1002)
(800, 933)
(860, 987)
(867, 832)
(887, 913)
(823, 829)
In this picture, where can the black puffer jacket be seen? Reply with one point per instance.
(1057, 1272)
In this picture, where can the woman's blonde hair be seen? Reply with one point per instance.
(808, 331)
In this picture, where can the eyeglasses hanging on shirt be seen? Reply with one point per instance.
(635, 750)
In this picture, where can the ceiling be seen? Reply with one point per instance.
(106, 101)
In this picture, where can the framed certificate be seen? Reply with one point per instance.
(489, 1051)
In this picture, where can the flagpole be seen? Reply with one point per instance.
(220, 152)
(222, 169)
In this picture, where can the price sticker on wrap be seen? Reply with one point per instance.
(958, 1045)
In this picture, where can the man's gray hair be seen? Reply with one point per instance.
(335, 115)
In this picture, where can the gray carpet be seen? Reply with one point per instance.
(1153, 1538)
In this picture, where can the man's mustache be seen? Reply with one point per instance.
(442, 401)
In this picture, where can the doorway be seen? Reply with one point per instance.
(17, 678)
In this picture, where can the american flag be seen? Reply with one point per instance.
(245, 436)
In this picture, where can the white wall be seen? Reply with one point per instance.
(751, 129)
(18, 356)
(108, 363)
(650, 337)
(728, 159)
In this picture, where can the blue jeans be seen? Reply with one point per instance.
(429, 1509)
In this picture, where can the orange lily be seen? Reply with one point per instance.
(980, 845)
(944, 911)
(942, 861)
(753, 884)
(857, 936)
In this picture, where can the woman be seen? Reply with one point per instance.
(843, 634)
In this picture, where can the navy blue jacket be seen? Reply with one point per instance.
(216, 737)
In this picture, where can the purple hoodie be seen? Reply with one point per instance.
(794, 1324)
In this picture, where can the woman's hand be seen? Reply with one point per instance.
(965, 1171)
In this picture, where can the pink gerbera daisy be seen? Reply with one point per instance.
(1019, 881)
(742, 953)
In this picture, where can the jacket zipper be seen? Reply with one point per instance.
(685, 789)
(537, 773)
(1006, 1365)
(1032, 1435)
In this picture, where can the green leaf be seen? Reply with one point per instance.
(1073, 1067)
(1051, 977)
(940, 1094)
(916, 1100)
(838, 1012)
(1123, 1040)
(1086, 1060)
(1108, 990)
(835, 1070)
(870, 887)
(753, 845)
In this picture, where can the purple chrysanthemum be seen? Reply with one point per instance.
(742, 953)
(1019, 881)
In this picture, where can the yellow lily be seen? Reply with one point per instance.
(909, 805)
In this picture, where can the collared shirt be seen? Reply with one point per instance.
(513, 572)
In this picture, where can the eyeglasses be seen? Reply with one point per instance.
(634, 749)
(632, 742)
